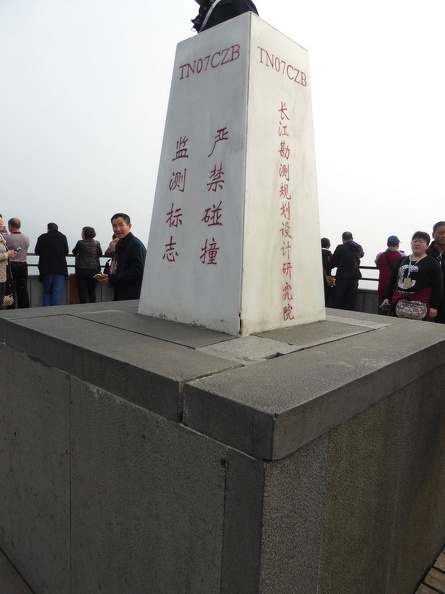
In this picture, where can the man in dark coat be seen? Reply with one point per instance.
(52, 249)
(346, 258)
(127, 265)
(326, 263)
(215, 12)
(437, 251)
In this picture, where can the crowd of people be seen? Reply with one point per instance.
(410, 285)
(127, 253)
(123, 273)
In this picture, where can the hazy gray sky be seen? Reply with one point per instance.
(84, 92)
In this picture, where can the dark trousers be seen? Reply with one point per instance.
(328, 294)
(19, 271)
(380, 311)
(86, 284)
(345, 294)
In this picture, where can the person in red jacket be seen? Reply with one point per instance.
(385, 262)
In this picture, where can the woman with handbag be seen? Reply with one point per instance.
(5, 254)
(415, 286)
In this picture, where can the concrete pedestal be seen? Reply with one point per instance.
(141, 455)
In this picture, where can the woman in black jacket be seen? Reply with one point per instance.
(87, 251)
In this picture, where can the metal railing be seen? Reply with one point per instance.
(33, 261)
(367, 286)
(70, 295)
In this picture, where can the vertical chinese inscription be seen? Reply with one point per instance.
(176, 188)
(212, 216)
(210, 211)
(285, 202)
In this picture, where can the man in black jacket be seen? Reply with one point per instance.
(437, 251)
(127, 266)
(215, 12)
(52, 249)
(346, 258)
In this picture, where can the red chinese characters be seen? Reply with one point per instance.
(181, 148)
(209, 252)
(170, 253)
(174, 217)
(211, 214)
(216, 179)
(284, 197)
(221, 134)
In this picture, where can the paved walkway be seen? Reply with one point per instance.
(11, 582)
(434, 581)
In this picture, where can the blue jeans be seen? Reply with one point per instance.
(53, 288)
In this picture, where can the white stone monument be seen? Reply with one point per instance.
(234, 241)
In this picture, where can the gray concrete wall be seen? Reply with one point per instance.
(142, 456)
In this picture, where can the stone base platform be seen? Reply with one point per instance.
(140, 455)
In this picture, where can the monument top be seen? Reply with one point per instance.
(234, 240)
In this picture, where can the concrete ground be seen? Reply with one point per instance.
(434, 581)
(12, 583)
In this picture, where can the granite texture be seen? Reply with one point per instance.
(35, 471)
(139, 455)
(10, 580)
(144, 519)
(385, 493)
(271, 409)
(108, 357)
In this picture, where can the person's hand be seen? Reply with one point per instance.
(385, 305)
(11, 253)
(433, 313)
(103, 279)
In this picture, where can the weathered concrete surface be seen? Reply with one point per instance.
(140, 455)
(10, 580)
(319, 387)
